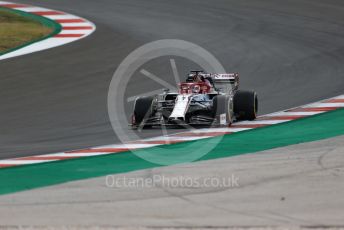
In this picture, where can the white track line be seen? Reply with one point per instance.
(317, 105)
(23, 162)
(291, 114)
(74, 24)
(128, 146)
(31, 9)
(260, 122)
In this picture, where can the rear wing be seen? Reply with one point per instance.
(224, 78)
(220, 80)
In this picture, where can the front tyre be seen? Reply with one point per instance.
(143, 109)
(222, 110)
(245, 105)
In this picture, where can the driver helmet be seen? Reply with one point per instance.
(198, 78)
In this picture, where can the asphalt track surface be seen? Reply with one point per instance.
(290, 52)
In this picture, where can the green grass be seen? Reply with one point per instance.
(17, 30)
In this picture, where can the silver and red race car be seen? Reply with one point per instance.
(203, 99)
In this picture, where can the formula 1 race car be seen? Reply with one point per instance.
(203, 99)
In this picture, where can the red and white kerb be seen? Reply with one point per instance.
(262, 121)
(73, 28)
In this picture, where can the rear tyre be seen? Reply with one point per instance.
(245, 105)
(142, 110)
(222, 110)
